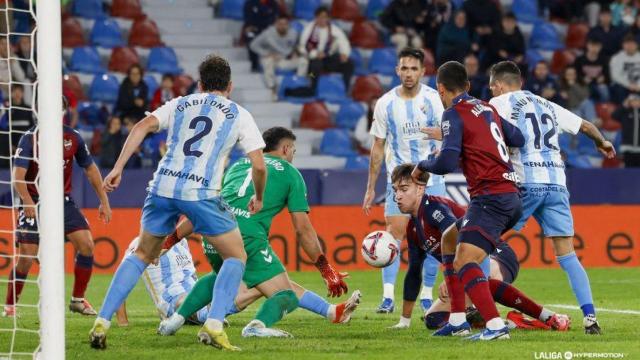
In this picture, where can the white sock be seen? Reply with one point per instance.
(76, 299)
(213, 324)
(545, 315)
(388, 290)
(106, 323)
(495, 324)
(404, 321)
(331, 313)
(426, 293)
(457, 319)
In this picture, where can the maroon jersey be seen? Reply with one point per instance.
(73, 146)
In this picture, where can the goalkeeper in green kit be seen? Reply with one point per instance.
(264, 274)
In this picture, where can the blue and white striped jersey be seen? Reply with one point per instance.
(399, 122)
(541, 121)
(202, 130)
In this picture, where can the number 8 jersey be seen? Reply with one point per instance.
(202, 130)
(539, 160)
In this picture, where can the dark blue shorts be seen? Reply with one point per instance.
(487, 218)
(508, 260)
(27, 229)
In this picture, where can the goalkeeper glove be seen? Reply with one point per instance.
(333, 279)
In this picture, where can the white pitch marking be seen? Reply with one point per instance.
(616, 311)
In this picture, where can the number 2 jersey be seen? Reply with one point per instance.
(539, 160)
(202, 130)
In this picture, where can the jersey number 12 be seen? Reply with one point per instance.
(537, 134)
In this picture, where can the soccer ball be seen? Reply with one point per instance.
(379, 249)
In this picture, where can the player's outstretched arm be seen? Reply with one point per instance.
(95, 179)
(375, 162)
(259, 178)
(605, 147)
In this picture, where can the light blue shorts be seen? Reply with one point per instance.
(549, 205)
(209, 217)
(391, 206)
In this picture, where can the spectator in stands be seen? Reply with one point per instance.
(438, 14)
(629, 117)
(111, 143)
(507, 43)
(276, 47)
(10, 70)
(479, 81)
(608, 34)
(164, 93)
(454, 40)
(19, 118)
(623, 13)
(483, 18)
(593, 69)
(570, 11)
(325, 48)
(132, 97)
(24, 52)
(404, 18)
(361, 133)
(258, 15)
(543, 84)
(575, 93)
(625, 70)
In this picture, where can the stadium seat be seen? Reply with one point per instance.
(90, 9)
(358, 62)
(533, 57)
(337, 142)
(72, 33)
(72, 83)
(106, 33)
(122, 58)
(90, 113)
(144, 33)
(366, 88)
(331, 88)
(365, 35)
(163, 60)
(395, 81)
(359, 162)
(86, 60)
(612, 163)
(578, 161)
(561, 59)
(375, 8)
(611, 125)
(577, 35)
(129, 9)
(182, 84)
(430, 67)
(605, 110)
(232, 9)
(292, 82)
(349, 114)
(315, 115)
(297, 26)
(383, 61)
(525, 10)
(545, 37)
(152, 84)
(347, 10)
(104, 87)
(304, 9)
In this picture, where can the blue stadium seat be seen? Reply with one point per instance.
(525, 10)
(90, 113)
(297, 26)
(106, 33)
(586, 147)
(375, 8)
(292, 82)
(545, 37)
(337, 142)
(575, 160)
(152, 84)
(232, 9)
(349, 114)
(359, 162)
(533, 57)
(383, 61)
(431, 81)
(358, 62)
(104, 87)
(331, 88)
(395, 81)
(163, 60)
(91, 9)
(235, 154)
(86, 60)
(304, 9)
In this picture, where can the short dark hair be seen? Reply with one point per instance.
(215, 73)
(453, 76)
(629, 37)
(320, 10)
(274, 135)
(283, 16)
(510, 15)
(412, 53)
(403, 172)
(506, 71)
(167, 76)
(135, 66)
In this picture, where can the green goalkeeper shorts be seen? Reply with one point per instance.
(262, 263)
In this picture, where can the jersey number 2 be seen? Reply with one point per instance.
(208, 125)
(497, 136)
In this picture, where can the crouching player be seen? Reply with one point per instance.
(430, 217)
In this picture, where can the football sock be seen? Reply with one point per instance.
(15, 285)
(123, 282)
(275, 307)
(485, 265)
(509, 296)
(389, 275)
(426, 293)
(314, 303)
(233, 310)
(477, 287)
(199, 296)
(429, 273)
(579, 282)
(82, 272)
(545, 314)
(454, 287)
(225, 288)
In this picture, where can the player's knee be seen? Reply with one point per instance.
(436, 320)
(85, 248)
(460, 261)
(290, 300)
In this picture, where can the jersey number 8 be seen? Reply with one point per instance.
(502, 147)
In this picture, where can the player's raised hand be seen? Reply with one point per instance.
(368, 201)
(416, 174)
(443, 292)
(334, 280)
(433, 133)
(112, 180)
(104, 211)
(607, 149)
(255, 205)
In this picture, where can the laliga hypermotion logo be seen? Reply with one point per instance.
(371, 250)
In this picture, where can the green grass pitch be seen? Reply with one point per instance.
(366, 336)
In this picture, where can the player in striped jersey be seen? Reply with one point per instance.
(541, 170)
(202, 129)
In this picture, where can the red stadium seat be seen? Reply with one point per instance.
(122, 58)
(72, 83)
(130, 9)
(315, 115)
(561, 59)
(605, 111)
(610, 125)
(612, 163)
(96, 142)
(577, 35)
(430, 67)
(366, 88)
(347, 10)
(365, 35)
(145, 33)
(181, 84)
(72, 34)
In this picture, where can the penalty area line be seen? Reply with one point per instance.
(615, 311)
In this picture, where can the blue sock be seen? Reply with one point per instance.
(233, 309)
(579, 282)
(202, 315)
(390, 272)
(485, 265)
(122, 283)
(226, 288)
(314, 303)
(429, 271)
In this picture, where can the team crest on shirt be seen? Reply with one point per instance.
(445, 127)
(67, 144)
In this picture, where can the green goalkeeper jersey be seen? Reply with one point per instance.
(285, 187)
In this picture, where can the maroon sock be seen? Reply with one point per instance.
(15, 287)
(82, 272)
(456, 291)
(508, 295)
(477, 287)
